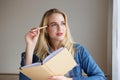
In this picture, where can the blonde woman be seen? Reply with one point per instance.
(55, 34)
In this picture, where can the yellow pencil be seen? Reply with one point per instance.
(42, 27)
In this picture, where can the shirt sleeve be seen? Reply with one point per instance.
(88, 65)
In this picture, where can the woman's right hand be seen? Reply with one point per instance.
(31, 37)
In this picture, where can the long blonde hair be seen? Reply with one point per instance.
(43, 43)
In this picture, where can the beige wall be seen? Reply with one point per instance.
(87, 20)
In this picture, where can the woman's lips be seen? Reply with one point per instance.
(59, 34)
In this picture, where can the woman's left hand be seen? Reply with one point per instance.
(59, 78)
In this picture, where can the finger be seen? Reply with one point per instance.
(50, 77)
(34, 33)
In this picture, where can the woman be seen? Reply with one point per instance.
(41, 42)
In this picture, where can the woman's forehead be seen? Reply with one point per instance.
(56, 17)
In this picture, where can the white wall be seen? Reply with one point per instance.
(87, 20)
(116, 40)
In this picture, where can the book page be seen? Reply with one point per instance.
(52, 55)
(30, 65)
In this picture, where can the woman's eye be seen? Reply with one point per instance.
(53, 25)
(63, 23)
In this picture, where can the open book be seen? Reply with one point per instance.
(59, 62)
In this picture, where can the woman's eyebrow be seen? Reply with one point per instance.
(52, 23)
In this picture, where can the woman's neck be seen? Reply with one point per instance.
(55, 46)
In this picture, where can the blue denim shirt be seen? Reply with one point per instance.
(85, 62)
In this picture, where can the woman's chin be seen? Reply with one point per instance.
(60, 39)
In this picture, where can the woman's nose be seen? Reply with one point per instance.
(59, 27)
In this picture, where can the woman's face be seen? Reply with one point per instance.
(56, 27)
